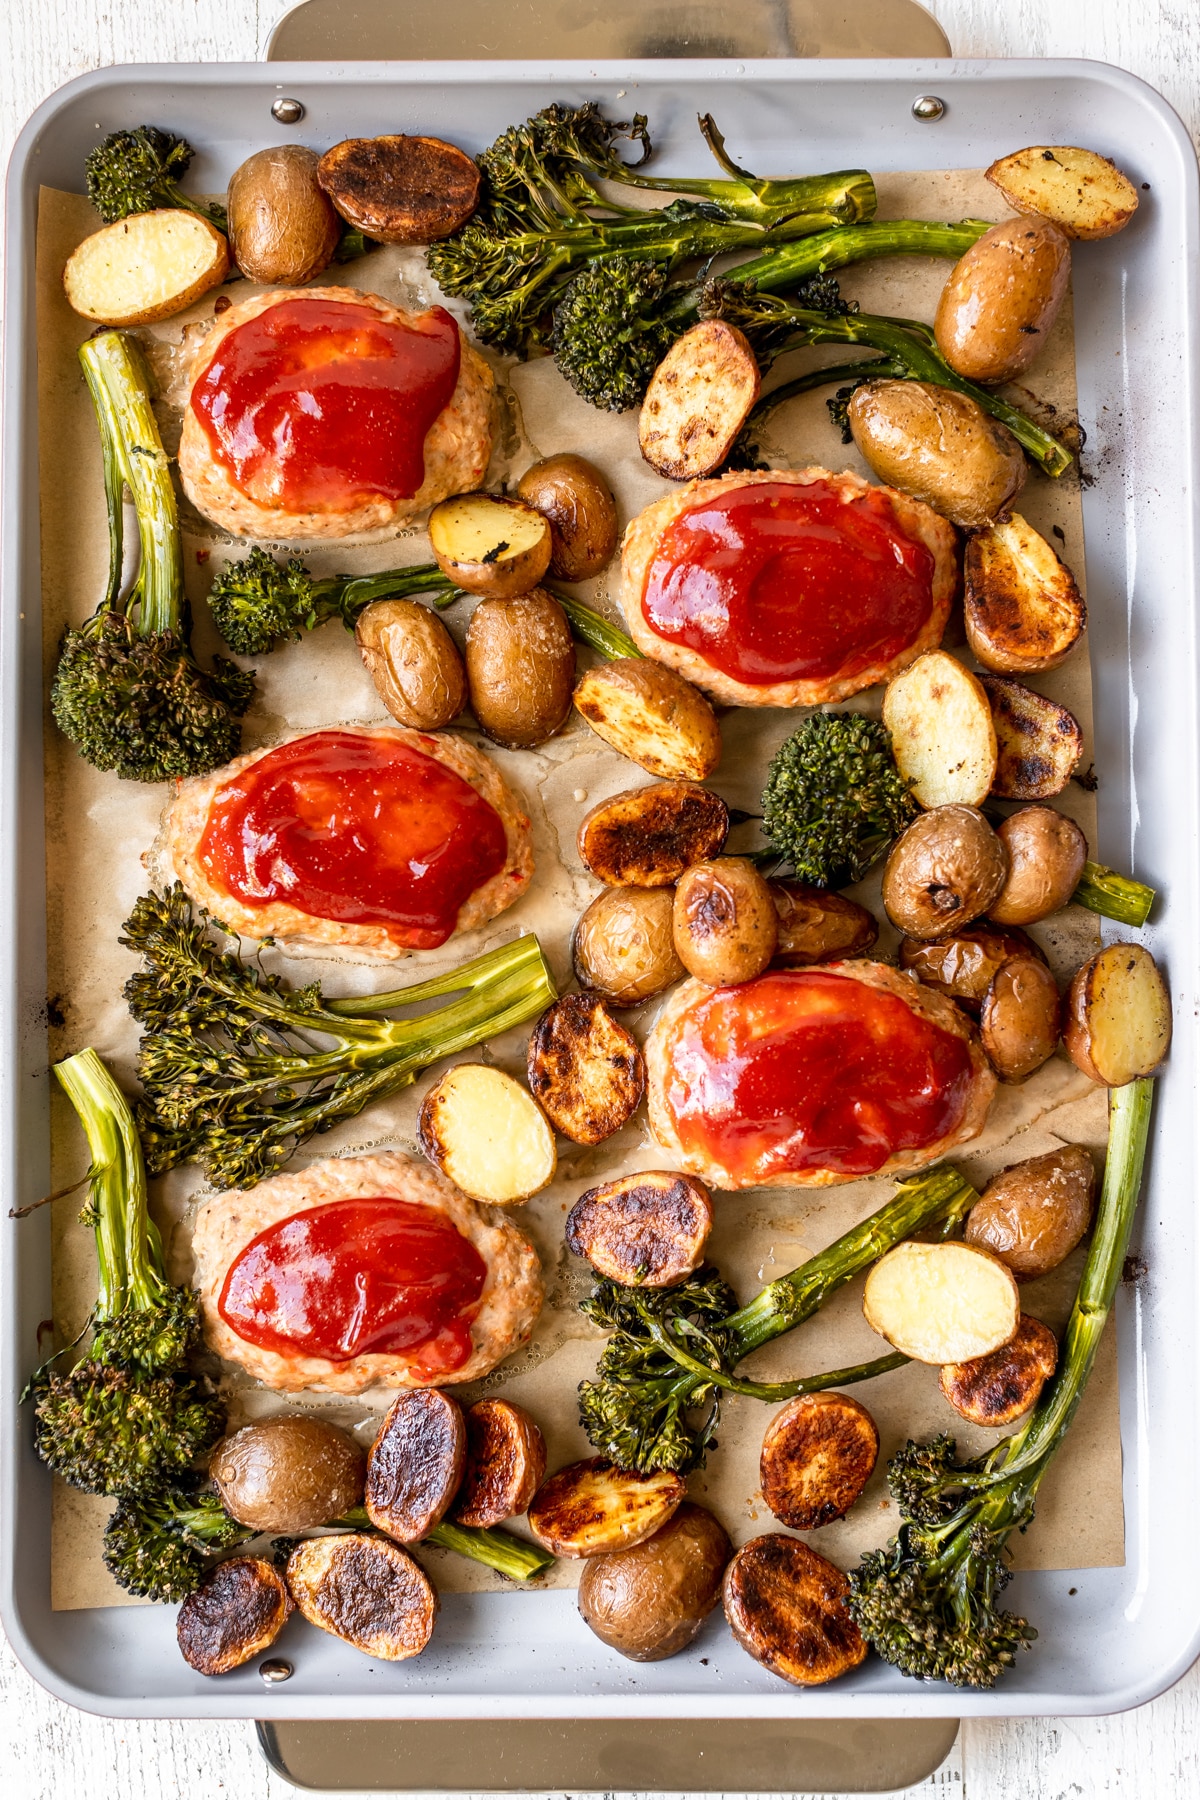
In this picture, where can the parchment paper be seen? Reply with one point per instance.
(99, 827)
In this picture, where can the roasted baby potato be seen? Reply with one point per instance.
(940, 447)
(1039, 741)
(573, 495)
(1022, 608)
(816, 926)
(786, 1606)
(283, 229)
(624, 946)
(649, 1602)
(996, 1390)
(698, 400)
(646, 837)
(1118, 1016)
(1020, 1017)
(944, 870)
(506, 1460)
(366, 1591)
(1032, 1214)
(288, 1473)
(962, 966)
(413, 661)
(237, 1612)
(643, 1230)
(1002, 298)
(400, 190)
(1084, 193)
(941, 1303)
(585, 1070)
(653, 716)
(1046, 854)
(416, 1464)
(818, 1454)
(482, 1130)
(943, 738)
(592, 1507)
(520, 668)
(725, 924)
(489, 544)
(146, 267)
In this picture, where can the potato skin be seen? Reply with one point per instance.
(623, 948)
(520, 668)
(506, 1460)
(644, 1230)
(647, 837)
(1032, 1214)
(816, 926)
(649, 1602)
(652, 715)
(998, 1389)
(786, 1606)
(940, 447)
(288, 1473)
(724, 921)
(1002, 299)
(413, 661)
(818, 1454)
(400, 190)
(238, 1612)
(962, 966)
(1020, 1018)
(283, 228)
(1046, 854)
(578, 502)
(944, 870)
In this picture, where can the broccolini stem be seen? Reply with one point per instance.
(496, 1549)
(771, 1390)
(357, 593)
(117, 1174)
(839, 199)
(1114, 896)
(592, 629)
(114, 483)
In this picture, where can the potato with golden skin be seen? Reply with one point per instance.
(585, 1070)
(940, 447)
(288, 1473)
(697, 400)
(652, 715)
(1046, 854)
(1033, 1213)
(997, 1390)
(1118, 1016)
(366, 1591)
(815, 925)
(1020, 1017)
(490, 544)
(724, 921)
(1003, 296)
(520, 668)
(818, 1454)
(1039, 743)
(941, 1302)
(1084, 193)
(487, 1135)
(649, 1602)
(147, 267)
(962, 966)
(624, 946)
(592, 1507)
(1022, 607)
(572, 494)
(943, 871)
(413, 661)
(786, 1606)
(283, 228)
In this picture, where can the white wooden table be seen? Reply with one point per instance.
(48, 1751)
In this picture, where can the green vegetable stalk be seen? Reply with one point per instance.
(1113, 896)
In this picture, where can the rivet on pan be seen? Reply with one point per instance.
(275, 1669)
(290, 112)
(926, 107)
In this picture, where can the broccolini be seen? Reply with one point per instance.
(139, 171)
(834, 799)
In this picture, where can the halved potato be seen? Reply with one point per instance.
(413, 661)
(698, 400)
(818, 1454)
(506, 1460)
(578, 502)
(652, 715)
(644, 1230)
(592, 1507)
(1019, 1022)
(650, 1601)
(997, 1389)
(585, 1070)
(489, 544)
(416, 1464)
(482, 1130)
(146, 267)
(724, 921)
(1084, 193)
(1039, 742)
(1021, 606)
(1032, 1214)
(1118, 1016)
(624, 945)
(646, 837)
(962, 966)
(238, 1612)
(1046, 857)
(943, 737)
(786, 1606)
(366, 1591)
(401, 190)
(816, 925)
(941, 1303)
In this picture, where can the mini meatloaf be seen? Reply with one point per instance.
(329, 413)
(810, 1077)
(362, 1270)
(787, 588)
(379, 840)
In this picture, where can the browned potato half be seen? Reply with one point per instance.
(943, 738)
(283, 229)
(962, 966)
(484, 1132)
(649, 1602)
(573, 495)
(1002, 298)
(1020, 1017)
(1032, 1214)
(786, 1606)
(146, 267)
(652, 715)
(1046, 854)
(698, 400)
(647, 837)
(288, 1473)
(366, 1591)
(1118, 1016)
(413, 661)
(940, 447)
(941, 1303)
(585, 1069)
(506, 1460)
(592, 1507)
(1084, 193)
(401, 190)
(1021, 606)
(416, 1464)
(1039, 741)
(624, 945)
(237, 1612)
(520, 668)
(489, 544)
(644, 1230)
(725, 924)
(944, 870)
(818, 1454)
(996, 1390)
(816, 926)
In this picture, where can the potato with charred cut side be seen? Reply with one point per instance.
(698, 400)
(592, 1507)
(486, 1135)
(725, 925)
(416, 1464)
(585, 1070)
(643, 1230)
(941, 1303)
(1032, 1214)
(1039, 742)
(943, 871)
(943, 738)
(237, 1612)
(1046, 854)
(1118, 1016)
(506, 1460)
(818, 1454)
(1020, 1017)
(1022, 608)
(786, 1606)
(366, 1591)
(650, 1601)
(1084, 193)
(490, 544)
(652, 715)
(962, 966)
(815, 925)
(400, 190)
(288, 1473)
(997, 1390)
(1003, 296)
(624, 945)
(575, 498)
(648, 836)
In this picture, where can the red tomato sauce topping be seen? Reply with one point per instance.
(775, 582)
(358, 1278)
(364, 830)
(321, 404)
(807, 1069)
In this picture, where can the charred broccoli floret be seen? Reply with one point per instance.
(108, 1431)
(161, 1547)
(256, 603)
(139, 171)
(834, 799)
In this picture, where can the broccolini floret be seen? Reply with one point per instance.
(139, 171)
(834, 799)
(161, 1547)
